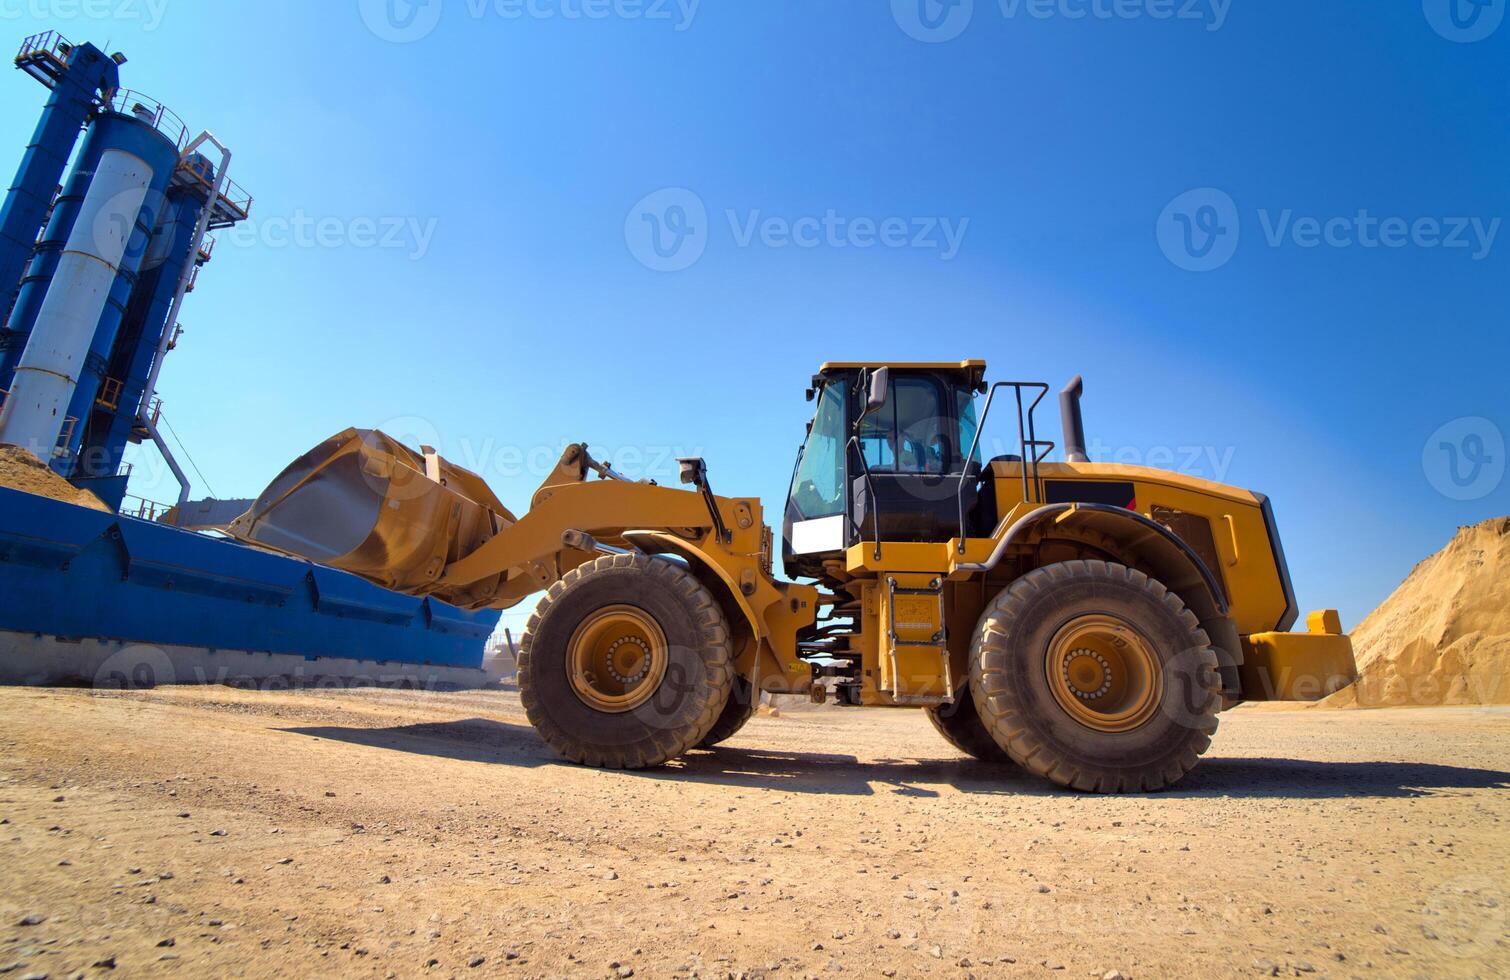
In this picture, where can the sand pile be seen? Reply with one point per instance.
(20, 470)
(1443, 636)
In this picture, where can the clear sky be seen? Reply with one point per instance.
(1268, 233)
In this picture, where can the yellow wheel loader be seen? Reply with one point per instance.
(1085, 621)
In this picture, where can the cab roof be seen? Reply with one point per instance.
(974, 370)
(970, 365)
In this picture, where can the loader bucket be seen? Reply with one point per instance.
(362, 502)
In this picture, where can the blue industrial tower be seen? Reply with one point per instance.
(80, 76)
(96, 309)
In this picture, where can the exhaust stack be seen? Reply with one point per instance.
(1074, 423)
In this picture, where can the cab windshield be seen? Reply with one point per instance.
(818, 486)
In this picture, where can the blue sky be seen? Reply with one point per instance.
(1267, 233)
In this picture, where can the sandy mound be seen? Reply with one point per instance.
(1442, 637)
(20, 470)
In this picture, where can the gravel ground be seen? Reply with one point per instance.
(385, 833)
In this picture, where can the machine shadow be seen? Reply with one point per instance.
(467, 740)
(1306, 779)
(504, 743)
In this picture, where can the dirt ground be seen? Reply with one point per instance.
(385, 833)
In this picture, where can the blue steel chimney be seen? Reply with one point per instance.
(79, 75)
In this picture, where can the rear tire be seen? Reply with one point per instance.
(1096, 677)
(962, 728)
(737, 710)
(626, 663)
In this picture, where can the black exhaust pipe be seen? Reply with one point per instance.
(1074, 424)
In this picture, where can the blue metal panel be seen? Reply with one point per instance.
(74, 91)
(75, 573)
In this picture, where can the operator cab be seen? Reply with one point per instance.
(884, 459)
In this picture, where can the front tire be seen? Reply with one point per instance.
(1096, 677)
(960, 725)
(626, 663)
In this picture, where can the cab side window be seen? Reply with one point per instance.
(908, 435)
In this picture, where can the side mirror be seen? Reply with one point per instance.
(878, 389)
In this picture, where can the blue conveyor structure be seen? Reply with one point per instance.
(75, 574)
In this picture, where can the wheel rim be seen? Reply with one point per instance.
(1104, 673)
(616, 658)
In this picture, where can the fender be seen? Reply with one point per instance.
(661, 542)
(1106, 513)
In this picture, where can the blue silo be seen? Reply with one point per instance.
(136, 261)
